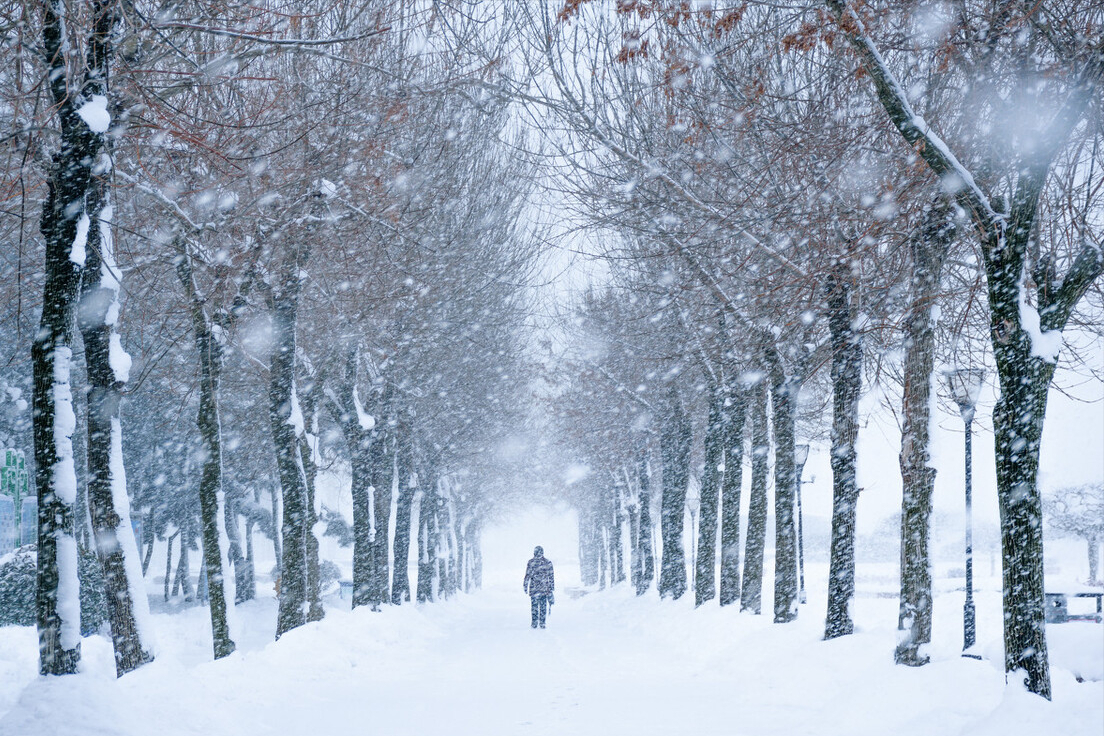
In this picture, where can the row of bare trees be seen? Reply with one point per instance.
(317, 208)
(786, 194)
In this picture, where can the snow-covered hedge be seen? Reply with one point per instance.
(17, 589)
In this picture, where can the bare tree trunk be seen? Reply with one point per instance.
(783, 397)
(400, 586)
(735, 410)
(235, 553)
(57, 607)
(315, 611)
(644, 533)
(356, 428)
(168, 565)
(588, 548)
(636, 567)
(277, 541)
(65, 226)
(846, 384)
(184, 569)
(148, 538)
(752, 597)
(284, 416)
(705, 588)
(108, 369)
(427, 561)
(603, 553)
(675, 447)
(211, 494)
(617, 552)
(929, 248)
(382, 465)
(248, 591)
(1024, 368)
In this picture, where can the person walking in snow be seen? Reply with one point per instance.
(540, 584)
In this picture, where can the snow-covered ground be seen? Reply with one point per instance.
(609, 663)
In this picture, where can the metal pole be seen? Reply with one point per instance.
(969, 634)
(800, 542)
(693, 550)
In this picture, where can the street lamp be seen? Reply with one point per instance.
(965, 385)
(693, 503)
(801, 454)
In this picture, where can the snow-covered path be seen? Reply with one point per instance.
(609, 663)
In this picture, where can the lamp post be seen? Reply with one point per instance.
(965, 385)
(801, 454)
(693, 503)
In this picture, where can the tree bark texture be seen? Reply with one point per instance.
(928, 247)
(400, 586)
(734, 412)
(617, 552)
(427, 556)
(644, 530)
(65, 225)
(783, 398)
(588, 549)
(752, 596)
(675, 439)
(1024, 373)
(315, 611)
(211, 494)
(289, 462)
(846, 385)
(705, 584)
(382, 468)
(358, 440)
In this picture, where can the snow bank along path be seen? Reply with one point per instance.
(609, 663)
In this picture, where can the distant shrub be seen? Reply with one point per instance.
(18, 572)
(328, 573)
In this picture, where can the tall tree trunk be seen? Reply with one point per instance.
(731, 482)
(705, 588)
(603, 553)
(477, 557)
(315, 611)
(108, 370)
(928, 247)
(617, 552)
(149, 537)
(277, 541)
(234, 551)
(56, 597)
(644, 533)
(184, 568)
(846, 385)
(356, 426)
(168, 565)
(248, 591)
(752, 597)
(211, 494)
(1024, 367)
(65, 226)
(404, 461)
(438, 547)
(636, 568)
(675, 448)
(588, 548)
(382, 465)
(784, 392)
(286, 422)
(427, 560)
